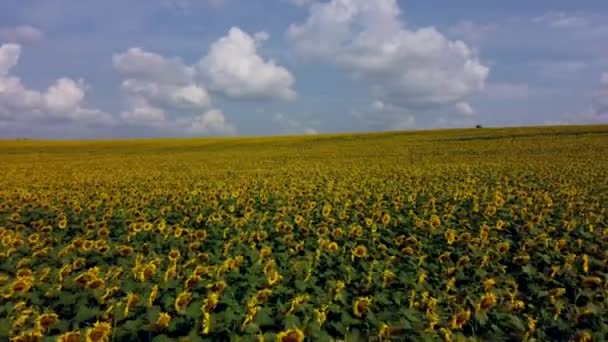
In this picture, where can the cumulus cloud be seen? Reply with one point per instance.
(63, 100)
(234, 68)
(562, 20)
(156, 85)
(604, 78)
(465, 108)
(211, 122)
(471, 31)
(9, 57)
(165, 93)
(301, 3)
(290, 125)
(411, 68)
(149, 66)
(23, 34)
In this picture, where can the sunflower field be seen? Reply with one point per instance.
(454, 235)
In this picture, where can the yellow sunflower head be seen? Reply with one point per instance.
(174, 255)
(71, 336)
(44, 321)
(360, 251)
(273, 278)
(291, 335)
(163, 320)
(460, 318)
(99, 332)
(182, 301)
(360, 305)
(332, 246)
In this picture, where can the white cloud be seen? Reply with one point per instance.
(23, 34)
(165, 93)
(465, 108)
(144, 114)
(65, 95)
(301, 3)
(471, 31)
(562, 20)
(234, 68)
(414, 69)
(143, 65)
(211, 122)
(9, 57)
(604, 78)
(507, 90)
(158, 85)
(565, 70)
(63, 100)
(290, 125)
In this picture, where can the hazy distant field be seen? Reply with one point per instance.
(499, 234)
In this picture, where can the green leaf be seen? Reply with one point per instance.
(85, 313)
(194, 310)
(264, 317)
(252, 328)
(161, 338)
(291, 321)
(300, 285)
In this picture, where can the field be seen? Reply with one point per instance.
(454, 235)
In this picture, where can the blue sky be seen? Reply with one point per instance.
(108, 69)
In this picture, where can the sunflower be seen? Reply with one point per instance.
(152, 296)
(356, 231)
(170, 273)
(488, 283)
(99, 332)
(435, 221)
(206, 323)
(33, 238)
(200, 234)
(487, 301)
(291, 335)
(450, 236)
(591, 281)
(173, 255)
(273, 278)
(503, 247)
(521, 260)
(270, 266)
(332, 246)
(263, 295)
(125, 251)
(22, 285)
(360, 305)
(585, 263)
(62, 224)
(147, 272)
(181, 302)
(163, 320)
(44, 321)
(386, 219)
(337, 233)
(83, 279)
(583, 336)
(359, 251)
(298, 219)
(460, 319)
(326, 210)
(210, 302)
(25, 273)
(265, 252)
(30, 336)
(407, 250)
(322, 230)
(87, 245)
(95, 284)
(71, 336)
